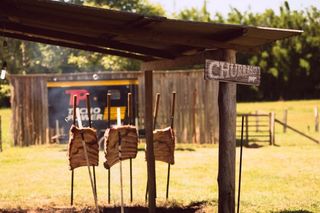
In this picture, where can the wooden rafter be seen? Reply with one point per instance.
(77, 46)
(84, 40)
(181, 62)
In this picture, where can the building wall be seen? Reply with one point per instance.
(196, 112)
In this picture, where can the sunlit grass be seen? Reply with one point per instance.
(279, 178)
(300, 116)
(5, 115)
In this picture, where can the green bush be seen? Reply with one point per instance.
(4, 95)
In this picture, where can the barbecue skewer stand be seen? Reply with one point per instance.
(164, 141)
(88, 138)
(121, 143)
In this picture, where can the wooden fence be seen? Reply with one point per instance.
(0, 135)
(29, 103)
(257, 127)
(196, 119)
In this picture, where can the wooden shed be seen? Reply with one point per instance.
(197, 115)
(161, 44)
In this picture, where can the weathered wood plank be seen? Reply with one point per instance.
(196, 116)
(179, 62)
(232, 72)
(149, 140)
(227, 140)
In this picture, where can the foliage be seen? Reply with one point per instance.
(194, 14)
(85, 61)
(28, 57)
(4, 96)
(289, 67)
(136, 6)
(274, 179)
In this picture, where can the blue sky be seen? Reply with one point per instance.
(223, 6)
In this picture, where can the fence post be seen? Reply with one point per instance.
(316, 118)
(257, 121)
(247, 130)
(0, 135)
(272, 128)
(285, 117)
(57, 132)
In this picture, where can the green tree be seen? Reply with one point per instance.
(289, 67)
(85, 61)
(194, 14)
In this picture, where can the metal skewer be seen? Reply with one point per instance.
(109, 125)
(121, 183)
(240, 169)
(87, 160)
(74, 123)
(90, 125)
(130, 123)
(171, 125)
(155, 115)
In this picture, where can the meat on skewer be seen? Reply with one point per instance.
(129, 144)
(75, 148)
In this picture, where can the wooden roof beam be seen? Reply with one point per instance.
(124, 33)
(68, 37)
(181, 62)
(229, 35)
(77, 46)
(177, 39)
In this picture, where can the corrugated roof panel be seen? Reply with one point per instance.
(98, 29)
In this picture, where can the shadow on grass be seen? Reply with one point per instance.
(175, 208)
(146, 210)
(185, 149)
(293, 211)
(249, 145)
(170, 207)
(136, 209)
(177, 149)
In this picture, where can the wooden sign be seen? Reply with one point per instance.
(238, 73)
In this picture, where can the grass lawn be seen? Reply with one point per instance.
(300, 116)
(283, 178)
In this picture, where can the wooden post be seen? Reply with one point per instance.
(109, 125)
(316, 119)
(57, 132)
(194, 105)
(272, 128)
(285, 120)
(0, 136)
(148, 125)
(227, 140)
(247, 129)
(270, 132)
(257, 121)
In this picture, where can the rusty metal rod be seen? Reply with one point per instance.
(129, 110)
(89, 109)
(155, 115)
(171, 125)
(109, 125)
(87, 160)
(90, 125)
(74, 123)
(156, 109)
(121, 182)
(240, 167)
(130, 123)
